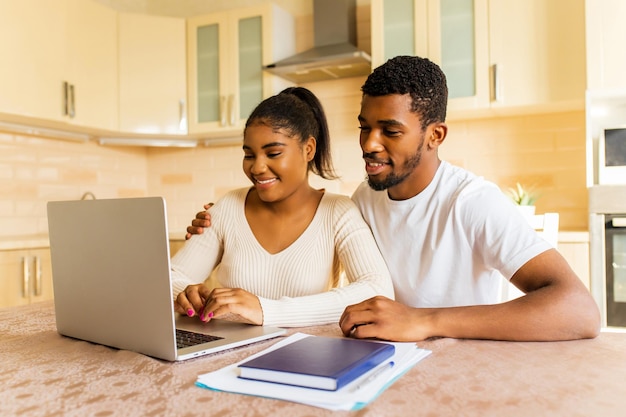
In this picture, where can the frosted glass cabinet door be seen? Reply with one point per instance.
(458, 46)
(225, 69)
(208, 90)
(226, 53)
(399, 28)
(209, 72)
(250, 64)
(458, 42)
(451, 33)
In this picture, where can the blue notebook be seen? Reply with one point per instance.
(320, 362)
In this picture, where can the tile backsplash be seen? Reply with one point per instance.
(36, 170)
(546, 150)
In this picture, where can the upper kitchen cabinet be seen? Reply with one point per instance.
(59, 61)
(226, 53)
(454, 34)
(537, 53)
(92, 65)
(153, 86)
(497, 54)
(605, 33)
(32, 47)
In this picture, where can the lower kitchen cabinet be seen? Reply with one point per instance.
(25, 276)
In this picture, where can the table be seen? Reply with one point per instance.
(43, 373)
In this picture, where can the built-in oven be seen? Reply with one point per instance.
(607, 250)
(615, 249)
(605, 142)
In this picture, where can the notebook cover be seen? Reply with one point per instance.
(318, 362)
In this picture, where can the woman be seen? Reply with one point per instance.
(279, 246)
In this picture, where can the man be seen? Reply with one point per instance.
(446, 234)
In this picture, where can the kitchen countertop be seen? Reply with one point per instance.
(43, 373)
(26, 242)
(581, 236)
(42, 241)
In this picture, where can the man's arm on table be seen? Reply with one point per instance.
(557, 306)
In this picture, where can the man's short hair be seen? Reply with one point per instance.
(419, 77)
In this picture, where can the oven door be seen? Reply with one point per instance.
(615, 234)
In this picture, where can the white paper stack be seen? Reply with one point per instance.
(353, 396)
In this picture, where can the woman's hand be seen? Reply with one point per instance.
(191, 301)
(233, 304)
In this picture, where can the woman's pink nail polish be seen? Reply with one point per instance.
(210, 315)
(190, 312)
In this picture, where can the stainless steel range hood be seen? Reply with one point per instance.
(335, 54)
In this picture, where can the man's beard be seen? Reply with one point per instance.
(396, 178)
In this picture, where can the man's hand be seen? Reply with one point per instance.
(382, 318)
(202, 220)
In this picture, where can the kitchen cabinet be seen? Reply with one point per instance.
(605, 34)
(152, 74)
(25, 276)
(92, 64)
(497, 54)
(452, 34)
(32, 39)
(226, 52)
(538, 49)
(59, 61)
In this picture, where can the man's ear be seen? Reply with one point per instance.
(310, 147)
(438, 132)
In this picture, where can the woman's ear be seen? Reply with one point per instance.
(310, 147)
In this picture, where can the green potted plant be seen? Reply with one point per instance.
(524, 198)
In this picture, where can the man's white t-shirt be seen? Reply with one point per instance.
(450, 244)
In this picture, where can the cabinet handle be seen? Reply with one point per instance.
(495, 83)
(223, 111)
(231, 109)
(25, 277)
(181, 115)
(72, 102)
(66, 98)
(38, 288)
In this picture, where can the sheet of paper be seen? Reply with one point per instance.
(351, 397)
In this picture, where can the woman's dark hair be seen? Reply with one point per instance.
(299, 111)
(422, 79)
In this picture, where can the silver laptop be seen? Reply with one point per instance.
(111, 279)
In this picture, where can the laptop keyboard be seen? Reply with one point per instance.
(185, 338)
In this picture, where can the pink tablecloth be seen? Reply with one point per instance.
(42, 373)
